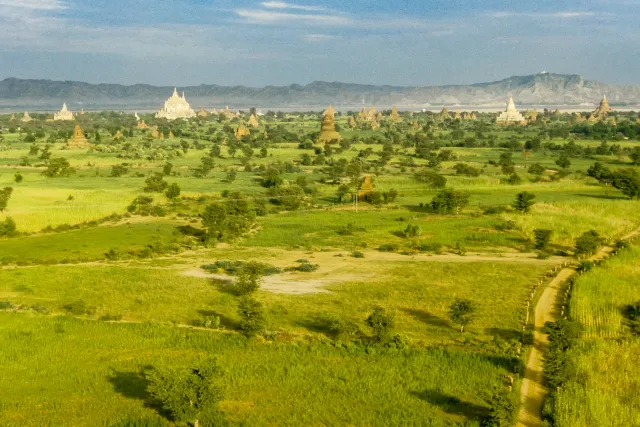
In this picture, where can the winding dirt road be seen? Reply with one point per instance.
(533, 391)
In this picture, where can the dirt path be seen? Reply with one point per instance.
(533, 392)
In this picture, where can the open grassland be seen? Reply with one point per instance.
(418, 292)
(89, 243)
(71, 372)
(602, 389)
(599, 296)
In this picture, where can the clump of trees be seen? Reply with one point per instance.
(229, 219)
(5, 195)
(450, 201)
(588, 243)
(188, 394)
(625, 180)
(524, 201)
(381, 324)
(58, 167)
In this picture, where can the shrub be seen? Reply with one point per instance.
(524, 202)
(588, 243)
(388, 247)
(251, 315)
(543, 237)
(78, 308)
(6, 305)
(381, 323)
(632, 313)
(449, 201)
(357, 254)
(412, 230)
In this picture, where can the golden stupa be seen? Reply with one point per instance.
(253, 121)
(444, 114)
(241, 130)
(394, 117)
(26, 118)
(176, 107)
(328, 131)
(78, 140)
(366, 187)
(602, 111)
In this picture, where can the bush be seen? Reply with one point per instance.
(588, 243)
(303, 266)
(388, 247)
(251, 315)
(542, 238)
(412, 230)
(381, 323)
(6, 305)
(357, 254)
(78, 308)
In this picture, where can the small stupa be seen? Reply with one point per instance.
(444, 114)
(366, 187)
(202, 113)
(394, 117)
(78, 140)
(63, 114)
(171, 134)
(531, 116)
(241, 130)
(512, 115)
(253, 121)
(142, 125)
(154, 132)
(352, 122)
(26, 118)
(602, 111)
(578, 117)
(118, 136)
(176, 107)
(229, 114)
(12, 118)
(214, 112)
(328, 131)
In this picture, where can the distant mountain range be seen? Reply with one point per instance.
(539, 89)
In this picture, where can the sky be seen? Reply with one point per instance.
(260, 43)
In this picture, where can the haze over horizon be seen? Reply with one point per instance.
(254, 43)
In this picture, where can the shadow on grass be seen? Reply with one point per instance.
(133, 385)
(453, 405)
(600, 196)
(428, 318)
(317, 324)
(225, 321)
(505, 334)
(225, 286)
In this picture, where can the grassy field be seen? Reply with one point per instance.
(603, 380)
(80, 373)
(87, 304)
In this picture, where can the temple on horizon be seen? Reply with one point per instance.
(176, 107)
(512, 115)
(63, 114)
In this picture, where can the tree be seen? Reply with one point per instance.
(342, 191)
(461, 312)
(5, 195)
(536, 169)
(627, 181)
(542, 238)
(635, 156)
(18, 178)
(251, 315)
(118, 170)
(450, 200)
(563, 162)
(173, 191)
(271, 178)
(502, 406)
(432, 179)
(231, 175)
(632, 313)
(249, 278)
(412, 230)
(588, 242)
(506, 163)
(524, 201)
(188, 394)
(58, 167)
(167, 168)
(155, 183)
(381, 323)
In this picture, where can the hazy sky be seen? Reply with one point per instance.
(257, 43)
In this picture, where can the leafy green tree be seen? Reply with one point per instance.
(628, 182)
(543, 237)
(524, 201)
(536, 169)
(506, 163)
(18, 178)
(503, 407)
(173, 191)
(251, 314)
(432, 179)
(155, 183)
(563, 162)
(167, 168)
(271, 178)
(118, 170)
(231, 175)
(632, 313)
(588, 243)
(58, 167)
(188, 394)
(8, 227)
(461, 312)
(249, 278)
(342, 191)
(635, 156)
(412, 230)
(449, 201)
(381, 323)
(5, 195)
